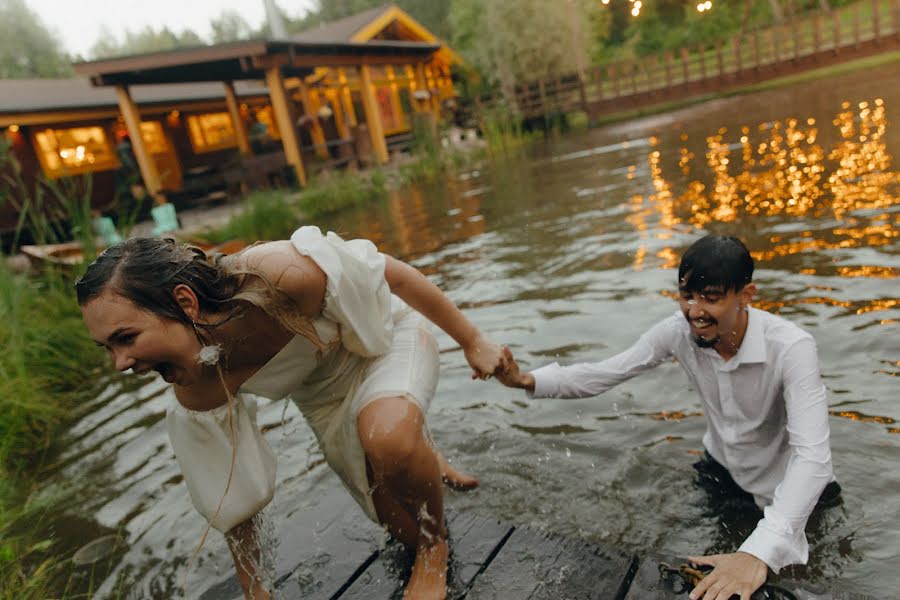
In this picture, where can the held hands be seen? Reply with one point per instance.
(485, 357)
(734, 574)
(511, 376)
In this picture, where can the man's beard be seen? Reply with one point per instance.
(704, 343)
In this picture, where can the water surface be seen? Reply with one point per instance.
(568, 254)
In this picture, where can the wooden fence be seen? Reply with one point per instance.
(863, 29)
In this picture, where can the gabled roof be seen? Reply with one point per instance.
(366, 26)
(344, 29)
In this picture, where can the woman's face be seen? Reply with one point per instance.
(142, 341)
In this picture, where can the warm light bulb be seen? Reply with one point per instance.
(635, 12)
(13, 128)
(708, 5)
(638, 4)
(701, 7)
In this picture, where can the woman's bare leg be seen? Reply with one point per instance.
(404, 464)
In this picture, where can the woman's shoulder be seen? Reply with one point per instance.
(299, 277)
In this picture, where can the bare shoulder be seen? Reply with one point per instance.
(296, 275)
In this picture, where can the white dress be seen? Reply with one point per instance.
(377, 347)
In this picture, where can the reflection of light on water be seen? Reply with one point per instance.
(779, 168)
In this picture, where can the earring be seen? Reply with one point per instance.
(209, 353)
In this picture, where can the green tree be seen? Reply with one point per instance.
(27, 47)
(229, 27)
(509, 43)
(142, 41)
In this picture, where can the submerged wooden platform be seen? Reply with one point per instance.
(334, 552)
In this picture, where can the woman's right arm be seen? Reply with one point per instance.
(244, 545)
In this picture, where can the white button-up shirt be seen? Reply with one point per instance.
(766, 415)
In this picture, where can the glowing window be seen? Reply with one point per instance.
(211, 131)
(154, 139)
(266, 116)
(74, 151)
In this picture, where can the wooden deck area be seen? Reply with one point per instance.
(334, 552)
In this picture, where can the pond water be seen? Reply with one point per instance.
(568, 254)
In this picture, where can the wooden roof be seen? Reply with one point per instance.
(246, 60)
(38, 95)
(342, 30)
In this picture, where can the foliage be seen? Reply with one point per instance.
(267, 215)
(27, 47)
(336, 191)
(229, 26)
(535, 40)
(143, 41)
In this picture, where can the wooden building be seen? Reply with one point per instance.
(193, 124)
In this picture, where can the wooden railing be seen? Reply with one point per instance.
(862, 29)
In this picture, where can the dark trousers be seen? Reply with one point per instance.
(718, 483)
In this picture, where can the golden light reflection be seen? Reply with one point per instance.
(858, 416)
(779, 168)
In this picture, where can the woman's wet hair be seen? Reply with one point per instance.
(715, 261)
(146, 270)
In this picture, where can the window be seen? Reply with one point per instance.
(266, 116)
(154, 139)
(74, 151)
(211, 131)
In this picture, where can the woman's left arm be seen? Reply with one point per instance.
(484, 356)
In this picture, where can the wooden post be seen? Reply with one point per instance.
(240, 128)
(757, 62)
(796, 37)
(613, 75)
(332, 96)
(347, 99)
(684, 65)
(736, 47)
(817, 34)
(776, 42)
(856, 24)
(835, 31)
(310, 110)
(702, 54)
(667, 60)
(876, 21)
(632, 70)
(287, 123)
(145, 161)
(373, 116)
(720, 59)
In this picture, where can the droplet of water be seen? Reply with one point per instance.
(96, 550)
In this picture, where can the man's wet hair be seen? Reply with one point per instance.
(715, 261)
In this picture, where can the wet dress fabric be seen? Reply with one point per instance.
(375, 347)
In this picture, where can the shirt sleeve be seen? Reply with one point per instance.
(357, 295)
(779, 538)
(589, 379)
(204, 441)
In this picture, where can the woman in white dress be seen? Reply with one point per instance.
(335, 325)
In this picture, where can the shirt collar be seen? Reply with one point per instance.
(753, 346)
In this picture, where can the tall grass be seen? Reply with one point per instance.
(266, 215)
(335, 191)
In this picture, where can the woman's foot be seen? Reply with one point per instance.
(429, 573)
(455, 480)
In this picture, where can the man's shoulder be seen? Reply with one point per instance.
(778, 331)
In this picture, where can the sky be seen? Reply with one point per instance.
(79, 22)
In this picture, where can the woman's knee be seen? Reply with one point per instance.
(390, 431)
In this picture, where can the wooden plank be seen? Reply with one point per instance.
(651, 584)
(535, 565)
(318, 561)
(473, 540)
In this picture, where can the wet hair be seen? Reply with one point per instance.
(716, 261)
(147, 270)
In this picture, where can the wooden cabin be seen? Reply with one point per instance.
(203, 123)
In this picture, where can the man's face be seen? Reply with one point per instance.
(713, 313)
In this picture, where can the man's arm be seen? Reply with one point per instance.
(779, 539)
(589, 379)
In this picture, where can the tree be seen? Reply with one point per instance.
(509, 43)
(229, 27)
(27, 47)
(143, 41)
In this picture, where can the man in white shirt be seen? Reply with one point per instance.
(767, 418)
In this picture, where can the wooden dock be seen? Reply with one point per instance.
(334, 552)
